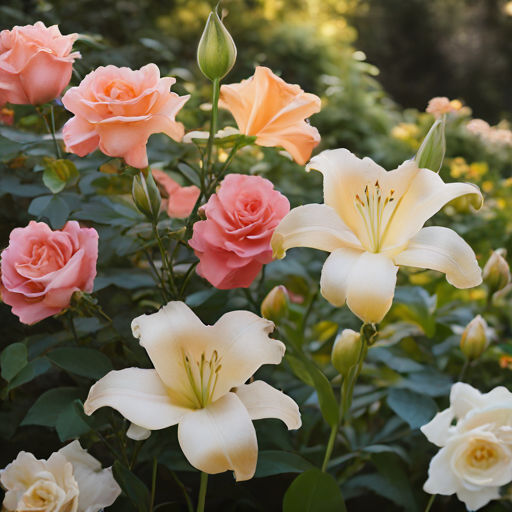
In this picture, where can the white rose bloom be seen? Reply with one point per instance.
(71, 480)
(475, 459)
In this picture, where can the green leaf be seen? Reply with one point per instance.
(276, 462)
(72, 422)
(132, 486)
(49, 406)
(314, 491)
(13, 359)
(53, 208)
(190, 173)
(29, 372)
(60, 174)
(415, 409)
(85, 362)
(414, 304)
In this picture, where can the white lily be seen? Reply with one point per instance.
(199, 383)
(372, 222)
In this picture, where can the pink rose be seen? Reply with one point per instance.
(118, 109)
(180, 201)
(233, 243)
(41, 268)
(35, 63)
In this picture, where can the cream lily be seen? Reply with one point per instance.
(199, 383)
(371, 223)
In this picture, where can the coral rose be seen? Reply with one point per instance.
(267, 107)
(180, 201)
(35, 63)
(41, 268)
(118, 109)
(233, 243)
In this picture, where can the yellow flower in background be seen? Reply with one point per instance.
(372, 222)
(199, 383)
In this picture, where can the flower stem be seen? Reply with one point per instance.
(153, 485)
(57, 147)
(184, 489)
(165, 262)
(430, 502)
(213, 124)
(330, 447)
(463, 371)
(202, 492)
(72, 327)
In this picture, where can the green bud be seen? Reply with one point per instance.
(432, 150)
(474, 339)
(275, 305)
(216, 53)
(60, 174)
(496, 272)
(346, 351)
(146, 195)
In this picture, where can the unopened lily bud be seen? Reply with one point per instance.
(346, 351)
(474, 339)
(146, 195)
(496, 272)
(432, 150)
(275, 305)
(216, 53)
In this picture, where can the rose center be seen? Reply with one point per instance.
(375, 211)
(482, 456)
(203, 376)
(41, 495)
(120, 89)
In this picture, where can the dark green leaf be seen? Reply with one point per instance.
(132, 486)
(72, 422)
(29, 372)
(275, 462)
(13, 359)
(85, 362)
(415, 409)
(314, 491)
(49, 406)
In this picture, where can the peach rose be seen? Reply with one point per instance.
(41, 268)
(180, 201)
(35, 63)
(233, 243)
(267, 107)
(118, 109)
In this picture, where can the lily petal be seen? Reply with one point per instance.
(164, 335)
(263, 401)
(371, 287)
(425, 196)
(139, 395)
(220, 437)
(315, 225)
(335, 275)
(442, 249)
(242, 342)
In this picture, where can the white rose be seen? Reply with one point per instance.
(475, 459)
(71, 480)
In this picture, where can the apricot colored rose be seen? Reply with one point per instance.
(118, 109)
(41, 268)
(267, 107)
(233, 243)
(35, 63)
(178, 201)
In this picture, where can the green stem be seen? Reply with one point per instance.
(188, 277)
(72, 327)
(202, 492)
(430, 502)
(165, 262)
(308, 312)
(112, 450)
(463, 371)
(57, 147)
(330, 447)
(184, 489)
(153, 485)
(219, 176)
(250, 298)
(213, 124)
(135, 454)
(160, 283)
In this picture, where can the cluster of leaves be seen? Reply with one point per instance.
(380, 457)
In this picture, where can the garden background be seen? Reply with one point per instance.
(375, 64)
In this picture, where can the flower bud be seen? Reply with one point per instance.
(432, 150)
(216, 53)
(474, 339)
(496, 272)
(146, 195)
(346, 351)
(275, 305)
